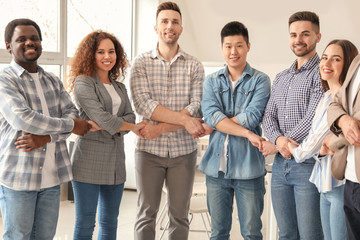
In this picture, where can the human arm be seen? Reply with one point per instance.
(350, 127)
(16, 109)
(214, 116)
(268, 148)
(86, 96)
(147, 98)
(311, 145)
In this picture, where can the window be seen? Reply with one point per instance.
(64, 23)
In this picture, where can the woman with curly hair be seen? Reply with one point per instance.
(98, 159)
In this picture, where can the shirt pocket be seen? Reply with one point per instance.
(242, 98)
(222, 94)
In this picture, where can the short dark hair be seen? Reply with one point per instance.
(234, 28)
(9, 30)
(168, 6)
(306, 16)
(350, 52)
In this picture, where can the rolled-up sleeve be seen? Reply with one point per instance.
(196, 88)
(252, 116)
(140, 90)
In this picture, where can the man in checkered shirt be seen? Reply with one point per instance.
(295, 94)
(166, 87)
(36, 117)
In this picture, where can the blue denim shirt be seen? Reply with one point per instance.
(247, 103)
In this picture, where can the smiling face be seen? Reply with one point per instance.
(303, 38)
(105, 56)
(25, 46)
(235, 51)
(168, 26)
(332, 64)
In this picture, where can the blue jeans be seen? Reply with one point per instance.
(332, 214)
(249, 195)
(30, 214)
(88, 197)
(296, 201)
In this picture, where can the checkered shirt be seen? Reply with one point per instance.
(176, 85)
(21, 111)
(293, 100)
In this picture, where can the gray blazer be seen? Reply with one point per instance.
(98, 157)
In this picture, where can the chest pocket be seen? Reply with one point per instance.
(242, 98)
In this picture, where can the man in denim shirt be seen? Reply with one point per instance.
(234, 99)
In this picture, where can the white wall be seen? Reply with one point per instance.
(265, 20)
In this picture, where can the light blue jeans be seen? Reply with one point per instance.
(90, 197)
(249, 195)
(30, 214)
(332, 214)
(296, 201)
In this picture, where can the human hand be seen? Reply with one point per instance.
(194, 126)
(94, 126)
(137, 128)
(351, 129)
(81, 127)
(29, 142)
(256, 140)
(268, 148)
(207, 130)
(291, 147)
(282, 144)
(325, 149)
(150, 131)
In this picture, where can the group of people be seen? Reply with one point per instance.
(177, 105)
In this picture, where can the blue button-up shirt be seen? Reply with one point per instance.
(247, 103)
(293, 100)
(21, 111)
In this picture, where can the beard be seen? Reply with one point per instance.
(308, 50)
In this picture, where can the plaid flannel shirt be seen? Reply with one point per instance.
(175, 85)
(21, 111)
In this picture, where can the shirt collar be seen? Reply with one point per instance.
(155, 54)
(314, 60)
(247, 71)
(19, 70)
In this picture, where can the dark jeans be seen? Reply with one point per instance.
(352, 209)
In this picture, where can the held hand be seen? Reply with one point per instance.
(137, 128)
(81, 127)
(207, 130)
(325, 150)
(351, 129)
(282, 144)
(268, 148)
(291, 147)
(256, 140)
(150, 131)
(94, 126)
(194, 126)
(29, 142)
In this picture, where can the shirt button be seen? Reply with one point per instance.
(289, 87)
(43, 149)
(40, 167)
(285, 116)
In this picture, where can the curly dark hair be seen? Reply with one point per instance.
(83, 62)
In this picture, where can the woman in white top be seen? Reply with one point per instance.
(334, 64)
